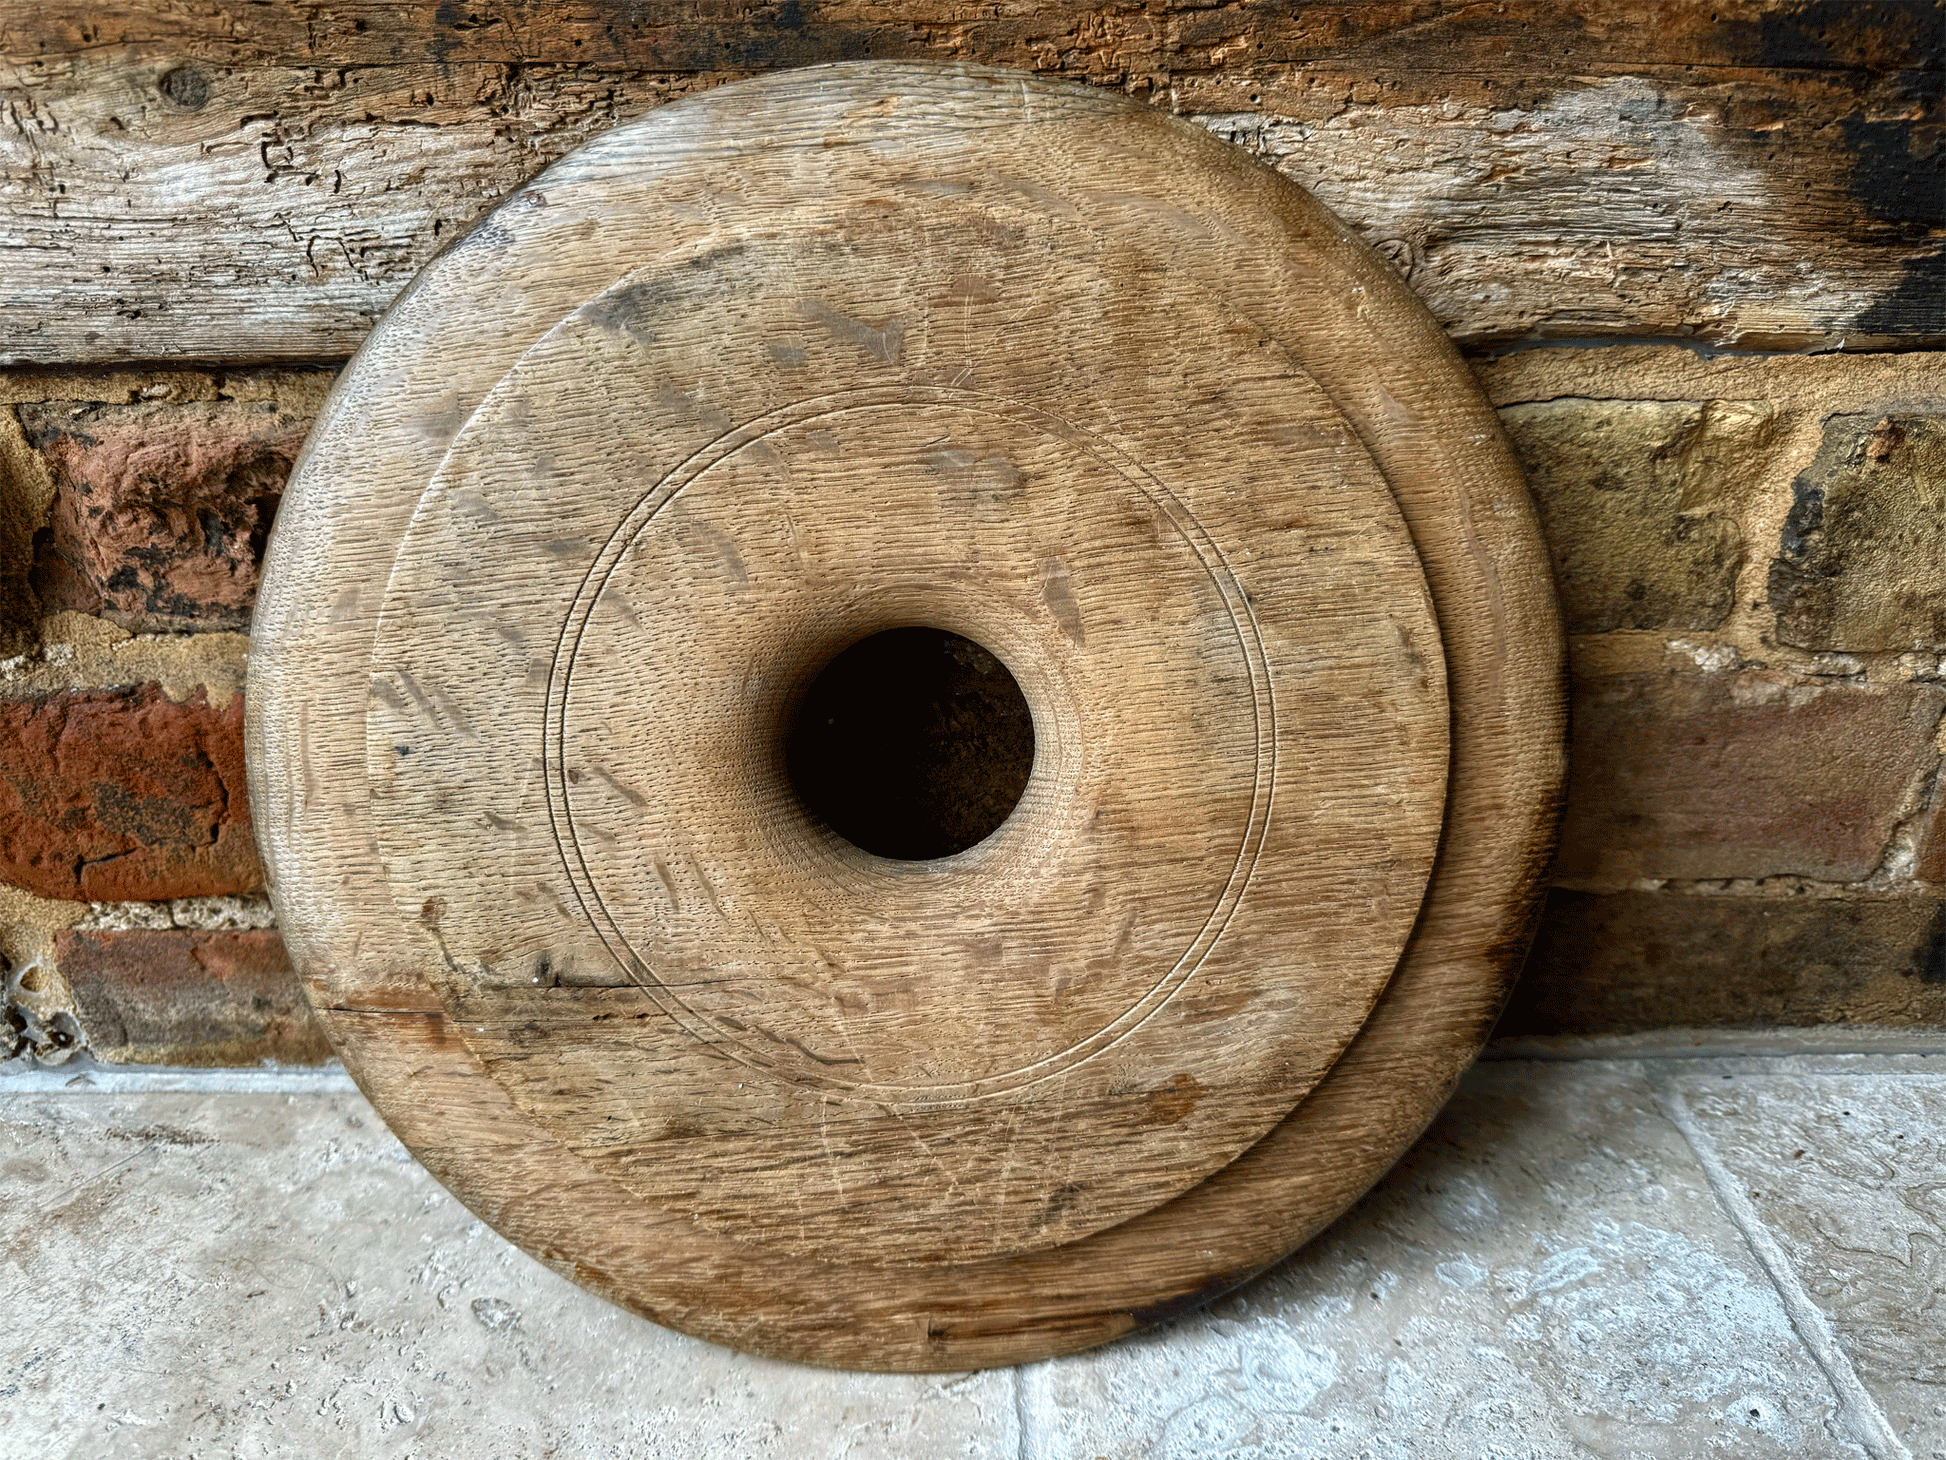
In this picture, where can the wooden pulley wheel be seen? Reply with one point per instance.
(548, 637)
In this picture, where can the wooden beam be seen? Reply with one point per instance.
(228, 181)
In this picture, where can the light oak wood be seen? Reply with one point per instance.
(740, 384)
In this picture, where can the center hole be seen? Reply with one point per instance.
(914, 744)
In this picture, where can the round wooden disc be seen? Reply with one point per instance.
(741, 384)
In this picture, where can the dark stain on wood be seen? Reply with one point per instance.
(1892, 55)
(1171, 1309)
(1669, 169)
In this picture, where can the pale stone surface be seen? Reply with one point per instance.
(1847, 1168)
(1546, 1275)
(241, 1270)
(272, 1275)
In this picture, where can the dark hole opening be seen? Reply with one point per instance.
(914, 744)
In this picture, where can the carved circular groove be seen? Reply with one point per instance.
(1228, 772)
(1026, 364)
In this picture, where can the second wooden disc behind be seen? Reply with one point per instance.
(948, 347)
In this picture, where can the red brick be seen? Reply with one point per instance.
(1718, 776)
(160, 512)
(189, 998)
(124, 795)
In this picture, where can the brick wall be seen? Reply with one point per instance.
(1747, 552)
(1746, 543)
(134, 508)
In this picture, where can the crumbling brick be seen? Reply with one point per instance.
(1929, 861)
(124, 795)
(160, 512)
(1628, 492)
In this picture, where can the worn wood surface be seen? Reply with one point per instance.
(231, 181)
(1032, 363)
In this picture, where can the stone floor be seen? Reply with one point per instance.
(1606, 1250)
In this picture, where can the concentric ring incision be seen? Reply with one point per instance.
(777, 368)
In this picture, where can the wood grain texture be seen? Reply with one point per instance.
(230, 181)
(1026, 317)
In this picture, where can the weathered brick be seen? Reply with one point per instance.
(124, 795)
(1858, 566)
(1628, 492)
(1616, 963)
(1738, 775)
(25, 496)
(160, 512)
(189, 998)
(1929, 865)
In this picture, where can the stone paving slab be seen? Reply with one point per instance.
(1562, 1268)
(1846, 1168)
(263, 1275)
(1547, 1274)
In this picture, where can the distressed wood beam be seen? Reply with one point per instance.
(224, 181)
